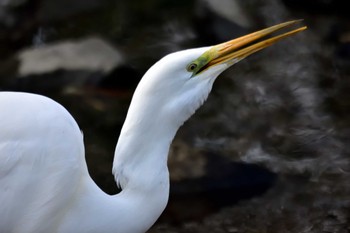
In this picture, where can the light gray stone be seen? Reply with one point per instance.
(91, 54)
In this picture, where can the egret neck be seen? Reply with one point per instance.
(167, 95)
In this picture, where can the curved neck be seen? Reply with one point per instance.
(140, 168)
(140, 161)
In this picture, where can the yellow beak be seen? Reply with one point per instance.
(237, 49)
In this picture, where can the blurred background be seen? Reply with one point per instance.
(268, 152)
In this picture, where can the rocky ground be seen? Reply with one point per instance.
(268, 152)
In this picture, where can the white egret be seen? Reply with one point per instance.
(44, 181)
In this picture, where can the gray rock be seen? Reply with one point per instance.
(11, 3)
(230, 10)
(91, 54)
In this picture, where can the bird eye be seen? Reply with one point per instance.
(191, 67)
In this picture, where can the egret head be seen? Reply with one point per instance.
(172, 90)
(181, 81)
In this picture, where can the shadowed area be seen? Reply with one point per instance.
(268, 152)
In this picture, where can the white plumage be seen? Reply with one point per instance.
(44, 181)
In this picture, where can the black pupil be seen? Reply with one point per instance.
(193, 66)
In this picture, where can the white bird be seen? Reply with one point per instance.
(44, 181)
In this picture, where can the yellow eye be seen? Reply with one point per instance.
(191, 67)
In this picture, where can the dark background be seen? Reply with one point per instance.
(269, 150)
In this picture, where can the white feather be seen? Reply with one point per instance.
(44, 181)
